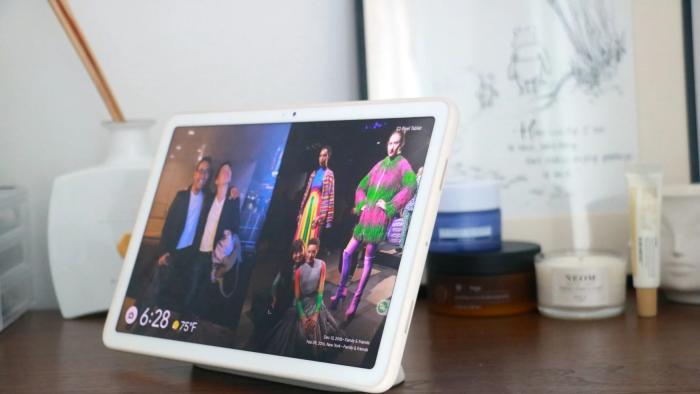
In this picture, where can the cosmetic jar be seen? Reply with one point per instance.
(680, 250)
(495, 283)
(469, 218)
(581, 284)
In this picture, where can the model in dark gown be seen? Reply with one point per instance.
(309, 321)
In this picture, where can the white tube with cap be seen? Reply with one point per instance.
(644, 185)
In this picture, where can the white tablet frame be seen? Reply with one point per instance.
(388, 363)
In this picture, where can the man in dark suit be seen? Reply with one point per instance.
(182, 233)
(221, 219)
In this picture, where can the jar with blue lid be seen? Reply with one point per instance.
(469, 218)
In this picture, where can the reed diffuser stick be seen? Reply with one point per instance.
(67, 20)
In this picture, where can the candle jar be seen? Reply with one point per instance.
(581, 284)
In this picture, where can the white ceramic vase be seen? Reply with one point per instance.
(89, 212)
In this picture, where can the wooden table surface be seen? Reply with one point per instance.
(523, 354)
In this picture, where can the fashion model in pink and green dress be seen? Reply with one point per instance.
(380, 196)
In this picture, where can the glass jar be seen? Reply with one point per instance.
(581, 284)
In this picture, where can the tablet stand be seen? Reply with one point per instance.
(399, 379)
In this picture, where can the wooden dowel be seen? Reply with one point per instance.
(67, 20)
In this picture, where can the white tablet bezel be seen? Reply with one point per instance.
(388, 360)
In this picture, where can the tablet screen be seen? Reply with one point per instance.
(280, 238)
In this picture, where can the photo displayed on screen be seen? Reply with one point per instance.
(280, 238)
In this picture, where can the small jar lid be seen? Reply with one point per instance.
(470, 196)
(514, 256)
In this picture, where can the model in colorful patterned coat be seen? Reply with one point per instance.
(381, 194)
(316, 210)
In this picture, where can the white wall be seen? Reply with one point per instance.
(161, 57)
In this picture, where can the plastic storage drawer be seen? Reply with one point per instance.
(15, 294)
(13, 227)
(13, 208)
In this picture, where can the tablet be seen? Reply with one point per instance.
(287, 243)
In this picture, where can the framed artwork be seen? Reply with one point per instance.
(546, 96)
(691, 46)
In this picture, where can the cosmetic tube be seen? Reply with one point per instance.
(644, 185)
